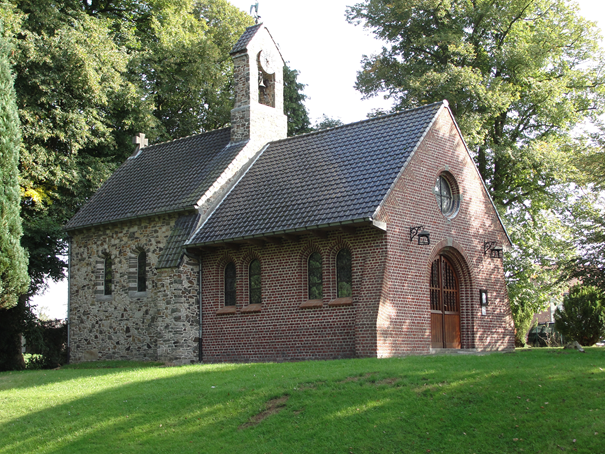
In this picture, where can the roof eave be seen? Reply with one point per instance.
(129, 218)
(365, 221)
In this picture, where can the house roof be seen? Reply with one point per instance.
(163, 178)
(339, 175)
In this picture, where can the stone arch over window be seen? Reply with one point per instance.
(138, 272)
(457, 258)
(221, 272)
(104, 277)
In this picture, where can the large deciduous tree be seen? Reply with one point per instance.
(516, 73)
(519, 75)
(92, 73)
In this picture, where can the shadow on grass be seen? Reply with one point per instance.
(494, 403)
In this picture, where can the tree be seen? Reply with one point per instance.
(13, 260)
(294, 107)
(327, 123)
(518, 75)
(90, 75)
(583, 316)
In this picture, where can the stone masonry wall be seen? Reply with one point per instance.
(159, 324)
(412, 203)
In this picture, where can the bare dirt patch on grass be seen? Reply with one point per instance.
(350, 379)
(273, 407)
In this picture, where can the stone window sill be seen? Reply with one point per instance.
(250, 308)
(226, 310)
(341, 302)
(137, 294)
(311, 304)
(104, 297)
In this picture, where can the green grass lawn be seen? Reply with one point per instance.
(542, 400)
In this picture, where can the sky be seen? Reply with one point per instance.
(315, 39)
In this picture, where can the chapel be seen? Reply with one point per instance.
(372, 239)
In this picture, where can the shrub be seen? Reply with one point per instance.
(583, 316)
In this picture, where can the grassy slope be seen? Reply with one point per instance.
(531, 401)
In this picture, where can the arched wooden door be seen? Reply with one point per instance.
(445, 305)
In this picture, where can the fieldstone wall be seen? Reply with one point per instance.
(160, 324)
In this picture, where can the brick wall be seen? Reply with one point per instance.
(404, 317)
(282, 330)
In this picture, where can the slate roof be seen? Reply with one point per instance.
(163, 178)
(335, 176)
(173, 251)
(244, 40)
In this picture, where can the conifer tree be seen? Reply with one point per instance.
(13, 260)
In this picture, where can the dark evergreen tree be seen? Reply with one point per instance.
(583, 316)
(13, 260)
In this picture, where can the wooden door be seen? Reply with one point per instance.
(445, 305)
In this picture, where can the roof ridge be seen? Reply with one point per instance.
(367, 120)
(186, 137)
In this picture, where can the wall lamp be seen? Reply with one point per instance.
(424, 237)
(494, 251)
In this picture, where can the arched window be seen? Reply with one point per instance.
(343, 273)
(254, 282)
(315, 276)
(107, 276)
(230, 284)
(142, 272)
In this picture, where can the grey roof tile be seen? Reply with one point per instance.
(167, 177)
(331, 176)
(245, 39)
(172, 253)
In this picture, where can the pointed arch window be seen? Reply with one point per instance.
(314, 270)
(142, 272)
(255, 282)
(107, 276)
(343, 273)
(230, 275)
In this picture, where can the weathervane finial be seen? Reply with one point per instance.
(255, 15)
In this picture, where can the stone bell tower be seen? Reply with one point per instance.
(258, 114)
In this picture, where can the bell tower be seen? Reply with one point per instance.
(258, 114)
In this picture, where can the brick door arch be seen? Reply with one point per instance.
(445, 304)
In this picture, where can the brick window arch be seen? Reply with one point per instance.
(230, 287)
(254, 282)
(344, 274)
(315, 276)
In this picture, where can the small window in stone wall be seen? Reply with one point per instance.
(255, 282)
(107, 276)
(230, 294)
(315, 276)
(142, 272)
(343, 273)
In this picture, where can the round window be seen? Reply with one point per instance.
(447, 197)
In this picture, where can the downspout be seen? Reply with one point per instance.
(198, 258)
(69, 238)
